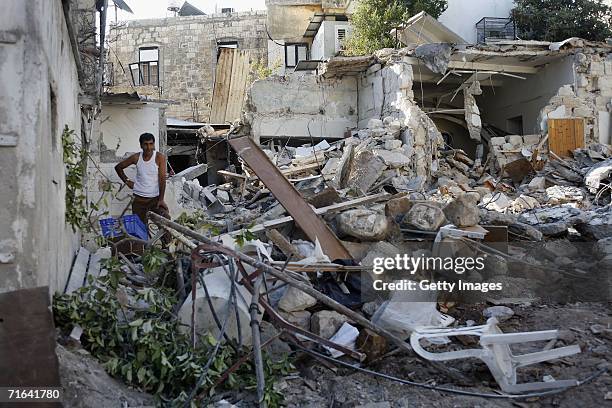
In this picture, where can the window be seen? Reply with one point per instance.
(146, 71)
(225, 44)
(341, 34)
(295, 53)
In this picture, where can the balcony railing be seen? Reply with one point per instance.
(491, 29)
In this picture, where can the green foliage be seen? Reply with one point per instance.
(153, 259)
(373, 21)
(143, 345)
(260, 69)
(245, 236)
(557, 20)
(74, 159)
(197, 222)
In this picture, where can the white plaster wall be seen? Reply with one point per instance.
(123, 124)
(300, 104)
(36, 246)
(461, 16)
(276, 57)
(324, 44)
(525, 98)
(317, 49)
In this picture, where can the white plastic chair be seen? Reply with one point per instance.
(496, 353)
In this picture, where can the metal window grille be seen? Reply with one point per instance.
(491, 29)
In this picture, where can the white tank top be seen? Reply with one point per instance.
(147, 181)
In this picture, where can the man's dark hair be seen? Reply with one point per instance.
(145, 137)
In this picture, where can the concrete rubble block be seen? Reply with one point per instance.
(363, 224)
(498, 141)
(597, 225)
(295, 300)
(532, 139)
(393, 144)
(501, 313)
(380, 132)
(537, 183)
(375, 124)
(425, 216)
(463, 211)
(560, 248)
(364, 134)
(515, 140)
(495, 265)
(394, 159)
(396, 208)
(223, 196)
(365, 169)
(603, 247)
(300, 318)
(524, 202)
(276, 349)
(496, 201)
(327, 322)
(564, 194)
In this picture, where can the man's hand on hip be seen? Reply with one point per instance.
(162, 204)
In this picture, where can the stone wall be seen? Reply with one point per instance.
(38, 97)
(187, 54)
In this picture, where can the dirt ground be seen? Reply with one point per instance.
(320, 387)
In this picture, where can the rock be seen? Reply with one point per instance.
(597, 225)
(373, 345)
(567, 336)
(375, 124)
(501, 313)
(524, 202)
(300, 318)
(546, 215)
(603, 247)
(597, 174)
(425, 216)
(369, 308)
(560, 248)
(564, 194)
(394, 159)
(496, 202)
(365, 169)
(86, 383)
(277, 349)
(463, 211)
(495, 265)
(295, 300)
(393, 144)
(553, 229)
(396, 208)
(366, 225)
(537, 183)
(326, 323)
(223, 196)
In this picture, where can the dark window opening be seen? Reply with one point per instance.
(294, 53)
(515, 125)
(53, 114)
(146, 71)
(225, 44)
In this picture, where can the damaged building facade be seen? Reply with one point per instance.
(176, 58)
(39, 66)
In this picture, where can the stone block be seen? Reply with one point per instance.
(498, 141)
(327, 322)
(425, 216)
(365, 225)
(393, 144)
(463, 211)
(515, 140)
(294, 300)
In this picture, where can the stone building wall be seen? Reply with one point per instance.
(187, 55)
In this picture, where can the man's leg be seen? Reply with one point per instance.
(140, 206)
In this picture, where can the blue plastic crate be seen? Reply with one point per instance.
(110, 228)
(132, 224)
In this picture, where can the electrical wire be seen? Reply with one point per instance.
(446, 389)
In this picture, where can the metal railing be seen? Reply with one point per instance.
(491, 29)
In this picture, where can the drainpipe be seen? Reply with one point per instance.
(100, 73)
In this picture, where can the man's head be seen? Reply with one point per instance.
(147, 143)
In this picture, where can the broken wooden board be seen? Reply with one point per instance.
(27, 341)
(231, 81)
(79, 271)
(518, 170)
(312, 225)
(565, 136)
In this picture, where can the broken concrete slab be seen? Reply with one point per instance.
(363, 224)
(463, 211)
(425, 216)
(295, 300)
(365, 169)
(597, 224)
(300, 318)
(327, 322)
(394, 159)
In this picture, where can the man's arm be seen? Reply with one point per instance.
(161, 178)
(133, 159)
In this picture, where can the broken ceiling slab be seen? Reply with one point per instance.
(341, 66)
(424, 29)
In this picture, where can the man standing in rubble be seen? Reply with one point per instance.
(150, 184)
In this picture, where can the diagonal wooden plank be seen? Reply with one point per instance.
(221, 89)
(238, 86)
(312, 225)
